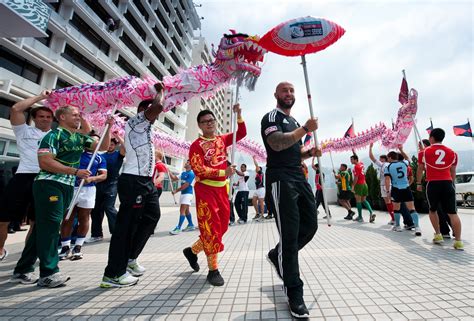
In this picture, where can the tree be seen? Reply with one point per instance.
(373, 183)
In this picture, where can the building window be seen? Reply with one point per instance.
(5, 106)
(157, 53)
(168, 123)
(45, 40)
(173, 110)
(179, 16)
(176, 43)
(180, 33)
(127, 67)
(165, 5)
(82, 62)
(98, 10)
(61, 83)
(90, 34)
(131, 45)
(53, 5)
(116, 2)
(161, 18)
(18, 65)
(141, 8)
(155, 71)
(175, 58)
(134, 23)
(171, 71)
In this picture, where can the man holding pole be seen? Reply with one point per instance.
(292, 198)
(208, 158)
(139, 210)
(58, 155)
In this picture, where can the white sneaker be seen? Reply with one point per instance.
(135, 269)
(175, 231)
(391, 223)
(119, 282)
(24, 278)
(396, 229)
(54, 280)
(4, 255)
(93, 239)
(417, 231)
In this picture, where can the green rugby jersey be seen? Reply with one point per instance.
(345, 180)
(67, 148)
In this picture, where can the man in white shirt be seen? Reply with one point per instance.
(242, 198)
(17, 200)
(139, 205)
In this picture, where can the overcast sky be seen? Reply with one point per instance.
(359, 76)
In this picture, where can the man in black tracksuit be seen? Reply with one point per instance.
(292, 199)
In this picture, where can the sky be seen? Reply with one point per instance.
(359, 76)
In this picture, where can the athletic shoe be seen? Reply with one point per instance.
(241, 221)
(458, 245)
(135, 269)
(65, 253)
(94, 239)
(396, 229)
(417, 231)
(438, 239)
(192, 258)
(372, 218)
(272, 258)
(4, 255)
(231, 223)
(11, 230)
(119, 282)
(446, 236)
(76, 253)
(359, 219)
(268, 217)
(256, 216)
(189, 228)
(175, 231)
(24, 278)
(409, 227)
(348, 216)
(325, 216)
(392, 222)
(298, 309)
(54, 280)
(215, 278)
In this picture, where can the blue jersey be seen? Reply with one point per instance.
(98, 164)
(398, 172)
(187, 177)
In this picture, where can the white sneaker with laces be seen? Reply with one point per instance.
(134, 268)
(24, 278)
(54, 280)
(396, 229)
(417, 231)
(93, 239)
(175, 231)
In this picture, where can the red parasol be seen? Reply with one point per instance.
(299, 37)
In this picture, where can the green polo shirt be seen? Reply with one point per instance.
(66, 148)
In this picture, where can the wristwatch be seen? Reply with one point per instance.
(305, 128)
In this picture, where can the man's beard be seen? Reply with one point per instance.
(285, 105)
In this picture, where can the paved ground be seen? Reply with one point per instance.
(351, 271)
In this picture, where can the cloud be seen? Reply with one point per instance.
(359, 76)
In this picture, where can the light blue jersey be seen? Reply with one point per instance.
(398, 172)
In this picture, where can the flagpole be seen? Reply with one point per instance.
(234, 136)
(332, 162)
(316, 143)
(81, 184)
(417, 133)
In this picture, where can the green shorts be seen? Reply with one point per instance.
(361, 189)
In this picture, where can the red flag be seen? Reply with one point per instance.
(307, 139)
(429, 129)
(403, 95)
(350, 132)
(463, 130)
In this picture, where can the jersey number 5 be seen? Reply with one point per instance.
(400, 172)
(440, 153)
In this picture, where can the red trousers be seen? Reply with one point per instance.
(213, 212)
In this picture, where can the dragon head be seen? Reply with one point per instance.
(240, 56)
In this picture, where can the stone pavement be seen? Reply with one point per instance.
(351, 271)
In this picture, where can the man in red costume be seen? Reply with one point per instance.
(208, 158)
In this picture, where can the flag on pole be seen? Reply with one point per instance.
(463, 130)
(403, 95)
(307, 139)
(429, 129)
(350, 132)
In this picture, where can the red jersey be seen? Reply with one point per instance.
(359, 172)
(208, 157)
(438, 160)
(159, 168)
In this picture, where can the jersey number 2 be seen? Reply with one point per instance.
(440, 153)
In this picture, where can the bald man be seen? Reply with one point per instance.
(291, 196)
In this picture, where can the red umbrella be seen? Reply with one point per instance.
(299, 37)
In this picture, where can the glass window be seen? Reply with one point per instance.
(157, 53)
(134, 23)
(2, 146)
(176, 43)
(131, 45)
(162, 19)
(155, 71)
(45, 40)
(98, 9)
(168, 123)
(12, 150)
(175, 58)
(60, 83)
(18, 65)
(5, 106)
(90, 34)
(127, 67)
(83, 63)
(141, 8)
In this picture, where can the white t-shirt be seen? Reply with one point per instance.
(381, 167)
(139, 148)
(243, 187)
(27, 142)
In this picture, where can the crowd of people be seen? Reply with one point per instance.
(56, 164)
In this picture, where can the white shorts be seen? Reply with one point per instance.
(185, 199)
(86, 198)
(260, 193)
(383, 193)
